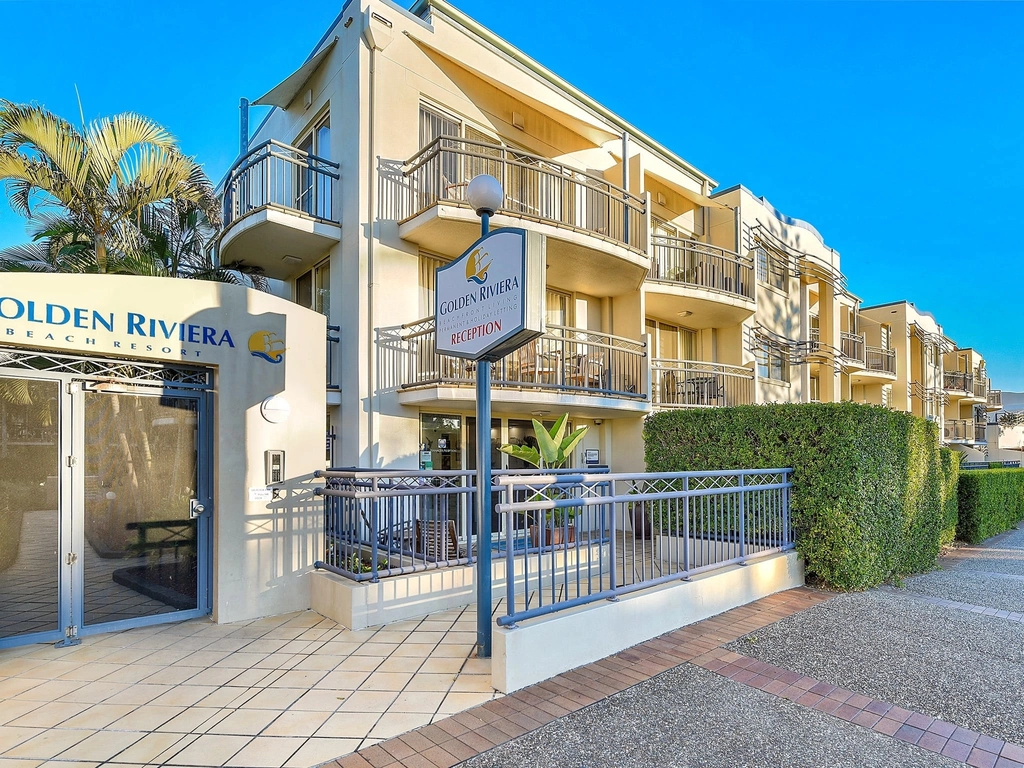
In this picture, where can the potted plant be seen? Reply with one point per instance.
(553, 451)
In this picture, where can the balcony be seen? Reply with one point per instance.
(278, 210)
(696, 384)
(994, 401)
(981, 385)
(717, 283)
(964, 431)
(596, 231)
(563, 367)
(958, 382)
(852, 347)
(880, 359)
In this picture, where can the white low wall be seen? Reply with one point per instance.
(541, 648)
(358, 605)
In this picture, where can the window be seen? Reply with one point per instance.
(313, 188)
(671, 342)
(313, 289)
(557, 308)
(815, 393)
(428, 281)
(771, 269)
(771, 361)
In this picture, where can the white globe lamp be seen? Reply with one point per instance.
(484, 193)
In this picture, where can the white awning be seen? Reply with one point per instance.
(282, 94)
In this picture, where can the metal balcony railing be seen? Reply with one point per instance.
(880, 359)
(958, 381)
(677, 260)
(276, 174)
(695, 384)
(964, 430)
(333, 340)
(535, 188)
(981, 385)
(570, 360)
(852, 346)
(995, 398)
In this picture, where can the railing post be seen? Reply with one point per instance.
(686, 524)
(613, 550)
(374, 533)
(743, 526)
(787, 534)
(510, 563)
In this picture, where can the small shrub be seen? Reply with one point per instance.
(990, 501)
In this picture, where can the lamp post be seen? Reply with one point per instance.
(484, 193)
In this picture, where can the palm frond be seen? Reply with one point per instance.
(111, 138)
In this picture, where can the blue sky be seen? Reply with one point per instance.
(896, 128)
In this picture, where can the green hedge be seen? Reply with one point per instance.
(991, 501)
(867, 502)
(949, 473)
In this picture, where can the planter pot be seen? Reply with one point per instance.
(558, 536)
(642, 527)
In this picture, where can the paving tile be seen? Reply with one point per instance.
(245, 722)
(296, 723)
(979, 758)
(48, 743)
(150, 746)
(368, 701)
(11, 736)
(208, 748)
(396, 723)
(318, 750)
(266, 752)
(101, 746)
(353, 725)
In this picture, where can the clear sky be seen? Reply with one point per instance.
(895, 128)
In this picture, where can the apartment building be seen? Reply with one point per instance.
(660, 293)
(353, 192)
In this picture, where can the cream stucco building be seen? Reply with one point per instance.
(660, 292)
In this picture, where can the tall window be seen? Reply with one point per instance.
(428, 281)
(771, 361)
(557, 308)
(671, 342)
(313, 188)
(313, 289)
(771, 268)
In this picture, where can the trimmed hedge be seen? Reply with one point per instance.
(869, 482)
(949, 474)
(990, 501)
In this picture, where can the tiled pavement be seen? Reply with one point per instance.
(449, 742)
(291, 690)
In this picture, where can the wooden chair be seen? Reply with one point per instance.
(437, 539)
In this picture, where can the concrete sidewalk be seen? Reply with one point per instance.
(928, 674)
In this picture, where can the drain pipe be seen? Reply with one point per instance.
(371, 369)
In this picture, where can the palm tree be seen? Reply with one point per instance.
(100, 197)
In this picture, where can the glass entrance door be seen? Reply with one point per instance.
(105, 507)
(142, 505)
(31, 572)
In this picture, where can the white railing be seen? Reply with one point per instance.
(694, 384)
(535, 188)
(276, 174)
(563, 360)
(698, 264)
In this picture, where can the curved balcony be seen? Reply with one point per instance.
(851, 346)
(879, 366)
(596, 231)
(717, 284)
(994, 401)
(696, 384)
(565, 367)
(279, 210)
(959, 383)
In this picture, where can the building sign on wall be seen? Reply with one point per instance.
(490, 300)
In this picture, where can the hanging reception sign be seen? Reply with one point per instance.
(490, 300)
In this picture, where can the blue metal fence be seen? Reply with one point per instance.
(650, 529)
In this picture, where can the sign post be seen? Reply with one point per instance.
(488, 304)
